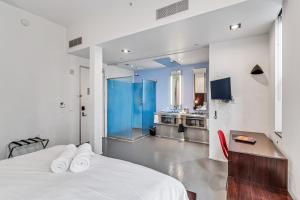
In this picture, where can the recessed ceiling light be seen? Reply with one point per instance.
(235, 26)
(125, 51)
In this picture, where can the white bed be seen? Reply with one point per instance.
(28, 177)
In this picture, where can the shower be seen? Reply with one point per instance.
(130, 107)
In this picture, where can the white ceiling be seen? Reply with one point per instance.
(193, 33)
(63, 12)
(70, 12)
(192, 57)
(185, 58)
(142, 64)
(84, 53)
(256, 17)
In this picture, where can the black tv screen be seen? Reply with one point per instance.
(221, 89)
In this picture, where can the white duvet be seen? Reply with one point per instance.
(28, 177)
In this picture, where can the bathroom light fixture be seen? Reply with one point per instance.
(125, 51)
(180, 90)
(171, 94)
(235, 26)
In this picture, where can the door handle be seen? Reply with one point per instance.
(83, 114)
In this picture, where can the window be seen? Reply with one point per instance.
(278, 76)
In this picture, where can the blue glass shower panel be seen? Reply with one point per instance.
(149, 105)
(119, 108)
(137, 103)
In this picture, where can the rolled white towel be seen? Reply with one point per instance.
(85, 146)
(62, 163)
(82, 160)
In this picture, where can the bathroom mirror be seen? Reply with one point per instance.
(200, 91)
(175, 88)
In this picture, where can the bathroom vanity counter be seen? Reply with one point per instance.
(195, 126)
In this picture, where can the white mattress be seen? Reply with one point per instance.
(29, 177)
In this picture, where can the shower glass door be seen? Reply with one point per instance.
(149, 105)
(137, 110)
(130, 108)
(119, 108)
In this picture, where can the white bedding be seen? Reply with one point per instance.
(28, 177)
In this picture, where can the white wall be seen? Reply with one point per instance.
(121, 20)
(250, 109)
(112, 71)
(289, 144)
(34, 79)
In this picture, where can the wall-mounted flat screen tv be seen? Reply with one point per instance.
(221, 89)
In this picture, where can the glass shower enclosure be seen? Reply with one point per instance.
(130, 107)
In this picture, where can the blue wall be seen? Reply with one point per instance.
(162, 76)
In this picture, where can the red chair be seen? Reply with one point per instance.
(223, 143)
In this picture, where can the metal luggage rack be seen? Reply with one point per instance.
(21, 143)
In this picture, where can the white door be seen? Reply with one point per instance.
(84, 110)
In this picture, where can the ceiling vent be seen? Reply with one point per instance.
(172, 9)
(75, 42)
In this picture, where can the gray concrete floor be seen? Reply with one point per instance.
(186, 161)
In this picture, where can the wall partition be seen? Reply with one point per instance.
(130, 108)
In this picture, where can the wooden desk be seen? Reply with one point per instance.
(263, 147)
(261, 163)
